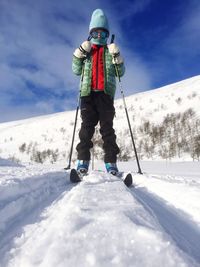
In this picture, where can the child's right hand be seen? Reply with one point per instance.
(83, 50)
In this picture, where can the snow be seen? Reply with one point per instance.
(6, 162)
(47, 221)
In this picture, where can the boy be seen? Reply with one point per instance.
(95, 60)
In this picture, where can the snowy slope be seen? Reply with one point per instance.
(51, 135)
(45, 221)
(153, 105)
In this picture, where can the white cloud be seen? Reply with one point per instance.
(130, 8)
(37, 40)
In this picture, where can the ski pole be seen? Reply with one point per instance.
(73, 135)
(126, 111)
(75, 121)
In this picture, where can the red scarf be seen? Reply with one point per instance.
(97, 68)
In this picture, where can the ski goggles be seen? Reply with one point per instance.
(99, 33)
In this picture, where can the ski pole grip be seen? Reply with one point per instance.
(112, 38)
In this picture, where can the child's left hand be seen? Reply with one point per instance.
(114, 51)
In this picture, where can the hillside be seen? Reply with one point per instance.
(165, 122)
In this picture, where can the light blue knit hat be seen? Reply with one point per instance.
(98, 20)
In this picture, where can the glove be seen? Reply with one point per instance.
(83, 50)
(114, 51)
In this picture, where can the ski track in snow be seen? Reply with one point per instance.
(184, 232)
(44, 220)
(23, 198)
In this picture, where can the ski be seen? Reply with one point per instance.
(75, 177)
(127, 179)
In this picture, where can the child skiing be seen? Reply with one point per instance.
(94, 60)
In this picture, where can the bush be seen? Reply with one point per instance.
(42, 156)
(22, 148)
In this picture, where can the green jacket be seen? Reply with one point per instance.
(84, 67)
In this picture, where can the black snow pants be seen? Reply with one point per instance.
(97, 107)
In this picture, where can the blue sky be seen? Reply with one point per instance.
(159, 41)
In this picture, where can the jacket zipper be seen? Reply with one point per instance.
(97, 69)
(104, 69)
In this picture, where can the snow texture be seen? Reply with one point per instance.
(46, 221)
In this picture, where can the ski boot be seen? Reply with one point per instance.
(112, 168)
(82, 167)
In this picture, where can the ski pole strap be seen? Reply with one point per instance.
(112, 38)
(116, 54)
(83, 50)
(117, 71)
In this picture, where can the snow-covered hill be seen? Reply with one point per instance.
(166, 124)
